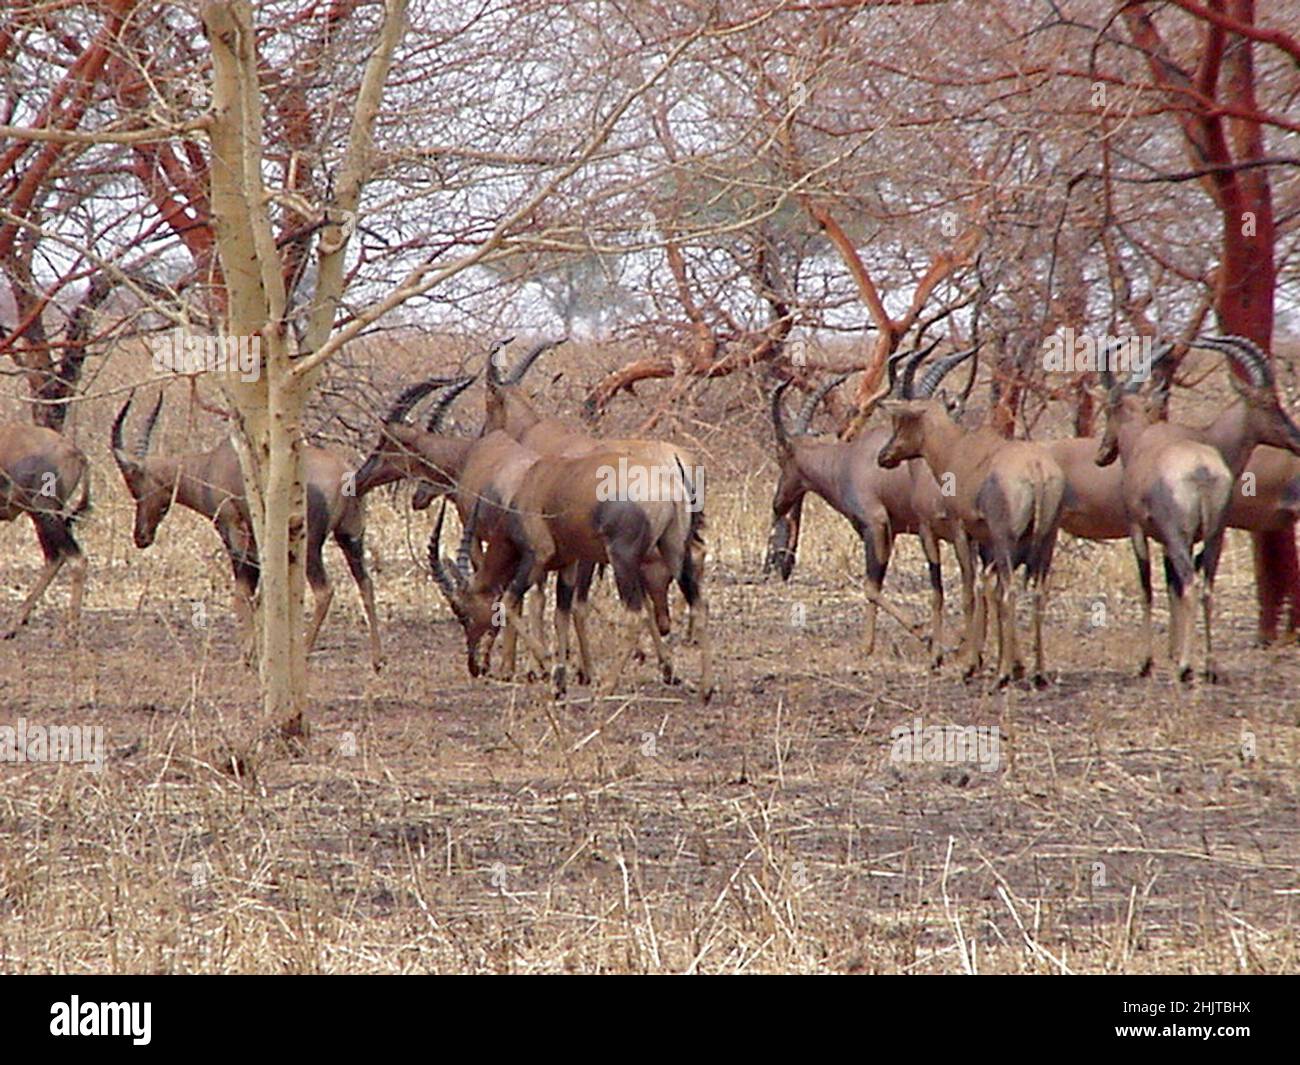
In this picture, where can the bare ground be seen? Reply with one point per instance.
(438, 823)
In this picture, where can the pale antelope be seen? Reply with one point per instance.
(1006, 498)
(1175, 489)
(1266, 493)
(211, 483)
(1254, 436)
(39, 473)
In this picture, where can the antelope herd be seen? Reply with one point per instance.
(533, 493)
(1181, 485)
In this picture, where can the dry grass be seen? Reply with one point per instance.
(481, 827)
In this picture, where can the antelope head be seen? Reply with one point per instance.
(1266, 421)
(791, 485)
(149, 487)
(473, 607)
(395, 454)
(506, 405)
(1127, 407)
(912, 416)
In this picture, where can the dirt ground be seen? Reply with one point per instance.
(440, 823)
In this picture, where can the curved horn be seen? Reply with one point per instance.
(810, 405)
(891, 370)
(970, 381)
(939, 370)
(526, 363)
(887, 387)
(146, 438)
(1247, 356)
(1166, 349)
(468, 538)
(1107, 377)
(440, 408)
(442, 573)
(782, 437)
(408, 397)
(125, 461)
(1136, 379)
(1160, 360)
(918, 356)
(493, 377)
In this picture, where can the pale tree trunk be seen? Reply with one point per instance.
(271, 407)
(269, 412)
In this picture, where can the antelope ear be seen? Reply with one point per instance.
(892, 407)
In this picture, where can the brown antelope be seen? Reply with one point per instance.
(211, 483)
(1006, 498)
(482, 468)
(1175, 489)
(880, 504)
(558, 519)
(488, 481)
(509, 410)
(1255, 418)
(483, 472)
(39, 471)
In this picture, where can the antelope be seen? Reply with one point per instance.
(1175, 489)
(1255, 418)
(484, 472)
(1006, 497)
(39, 471)
(1265, 498)
(879, 504)
(509, 410)
(556, 521)
(1267, 478)
(488, 484)
(1254, 429)
(472, 469)
(211, 483)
